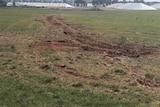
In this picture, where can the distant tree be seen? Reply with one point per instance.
(81, 2)
(64, 1)
(3, 3)
(99, 2)
(14, 3)
(135, 1)
(104, 2)
(109, 2)
(141, 1)
(138, 1)
(124, 1)
(95, 2)
(115, 1)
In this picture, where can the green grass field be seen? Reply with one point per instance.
(30, 78)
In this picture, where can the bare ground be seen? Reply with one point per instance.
(75, 40)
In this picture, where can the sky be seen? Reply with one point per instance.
(151, 0)
(119, 0)
(145, 0)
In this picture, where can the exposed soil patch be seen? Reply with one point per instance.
(149, 82)
(53, 22)
(75, 40)
(55, 45)
(72, 72)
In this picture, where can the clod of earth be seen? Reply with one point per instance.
(148, 82)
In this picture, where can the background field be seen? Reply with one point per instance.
(47, 77)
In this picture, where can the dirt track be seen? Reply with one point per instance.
(75, 40)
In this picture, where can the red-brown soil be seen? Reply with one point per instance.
(75, 40)
(150, 82)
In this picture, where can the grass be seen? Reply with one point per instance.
(7, 47)
(29, 77)
(116, 24)
(120, 71)
(15, 93)
(129, 24)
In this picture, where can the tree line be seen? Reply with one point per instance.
(108, 2)
(3, 3)
(84, 3)
(105, 2)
